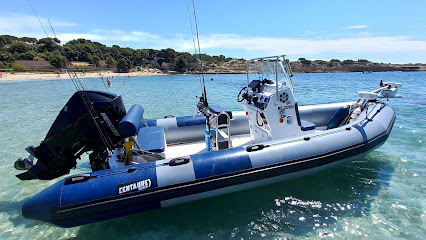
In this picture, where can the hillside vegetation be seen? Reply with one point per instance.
(167, 60)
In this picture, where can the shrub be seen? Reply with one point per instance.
(18, 67)
(304, 61)
(348, 61)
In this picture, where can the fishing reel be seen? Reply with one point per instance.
(203, 107)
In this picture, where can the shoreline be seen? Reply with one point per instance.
(9, 77)
(6, 77)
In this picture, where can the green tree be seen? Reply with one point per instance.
(168, 55)
(124, 65)
(4, 65)
(110, 61)
(58, 61)
(348, 61)
(28, 39)
(47, 44)
(18, 47)
(28, 55)
(37, 58)
(181, 64)
(304, 61)
(95, 59)
(7, 39)
(6, 57)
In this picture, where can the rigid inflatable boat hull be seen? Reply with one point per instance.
(113, 193)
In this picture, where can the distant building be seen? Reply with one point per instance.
(103, 64)
(167, 66)
(35, 64)
(81, 65)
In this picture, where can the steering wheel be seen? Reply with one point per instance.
(240, 94)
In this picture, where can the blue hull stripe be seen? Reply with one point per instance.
(216, 163)
(150, 122)
(190, 121)
(185, 121)
(96, 210)
(109, 184)
(226, 168)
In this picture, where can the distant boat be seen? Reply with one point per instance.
(367, 72)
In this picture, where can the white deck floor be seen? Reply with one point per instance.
(185, 149)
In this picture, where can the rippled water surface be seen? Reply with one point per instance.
(380, 196)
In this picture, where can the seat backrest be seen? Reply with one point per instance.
(129, 125)
(337, 118)
(222, 119)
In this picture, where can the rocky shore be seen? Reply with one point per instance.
(320, 66)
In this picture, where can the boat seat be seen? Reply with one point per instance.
(152, 139)
(337, 118)
(306, 126)
(130, 123)
(217, 109)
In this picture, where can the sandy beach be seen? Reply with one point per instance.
(49, 76)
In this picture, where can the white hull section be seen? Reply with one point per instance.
(258, 183)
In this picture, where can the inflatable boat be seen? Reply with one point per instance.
(140, 165)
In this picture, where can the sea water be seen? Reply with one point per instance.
(380, 196)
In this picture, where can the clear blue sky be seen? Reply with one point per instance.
(377, 30)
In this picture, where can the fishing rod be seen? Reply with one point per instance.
(38, 18)
(199, 58)
(82, 92)
(193, 42)
(55, 39)
(203, 105)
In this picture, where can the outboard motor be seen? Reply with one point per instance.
(75, 131)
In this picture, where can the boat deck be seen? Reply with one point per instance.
(186, 149)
